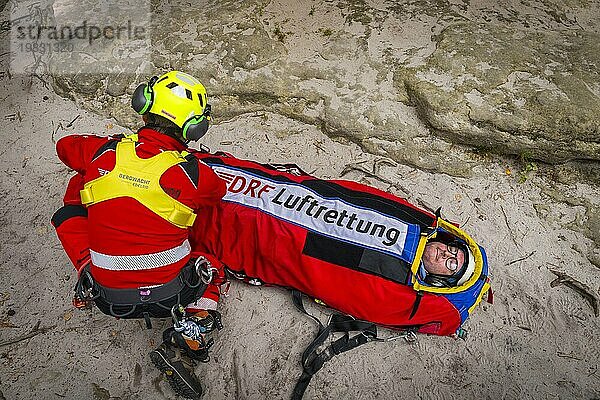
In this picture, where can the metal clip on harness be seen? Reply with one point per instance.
(177, 312)
(205, 270)
(409, 336)
(85, 292)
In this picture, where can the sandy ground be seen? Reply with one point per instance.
(535, 342)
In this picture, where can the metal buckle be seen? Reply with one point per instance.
(369, 336)
(205, 270)
(409, 336)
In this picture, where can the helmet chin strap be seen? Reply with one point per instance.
(175, 135)
(180, 138)
(438, 280)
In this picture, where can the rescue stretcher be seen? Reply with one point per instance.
(351, 247)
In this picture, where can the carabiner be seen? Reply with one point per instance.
(199, 263)
(177, 308)
(205, 270)
(409, 336)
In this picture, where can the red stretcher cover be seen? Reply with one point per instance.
(351, 246)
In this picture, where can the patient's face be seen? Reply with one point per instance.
(438, 258)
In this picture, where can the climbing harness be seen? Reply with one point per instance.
(144, 302)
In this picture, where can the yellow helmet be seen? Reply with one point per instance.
(178, 97)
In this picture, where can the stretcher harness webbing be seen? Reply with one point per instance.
(312, 361)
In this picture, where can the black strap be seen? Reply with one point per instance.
(416, 304)
(147, 320)
(312, 361)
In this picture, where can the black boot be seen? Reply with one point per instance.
(179, 370)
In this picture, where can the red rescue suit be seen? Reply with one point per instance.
(119, 235)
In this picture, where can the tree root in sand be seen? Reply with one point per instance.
(373, 172)
(586, 292)
(36, 330)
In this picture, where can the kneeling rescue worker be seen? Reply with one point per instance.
(126, 220)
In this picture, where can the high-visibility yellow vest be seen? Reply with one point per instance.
(138, 178)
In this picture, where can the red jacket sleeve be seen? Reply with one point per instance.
(211, 188)
(72, 193)
(77, 151)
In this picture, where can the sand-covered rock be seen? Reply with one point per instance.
(426, 84)
(513, 91)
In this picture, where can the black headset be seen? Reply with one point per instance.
(192, 129)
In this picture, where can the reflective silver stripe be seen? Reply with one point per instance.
(203, 303)
(144, 261)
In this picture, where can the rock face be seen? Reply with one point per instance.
(428, 84)
(512, 90)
